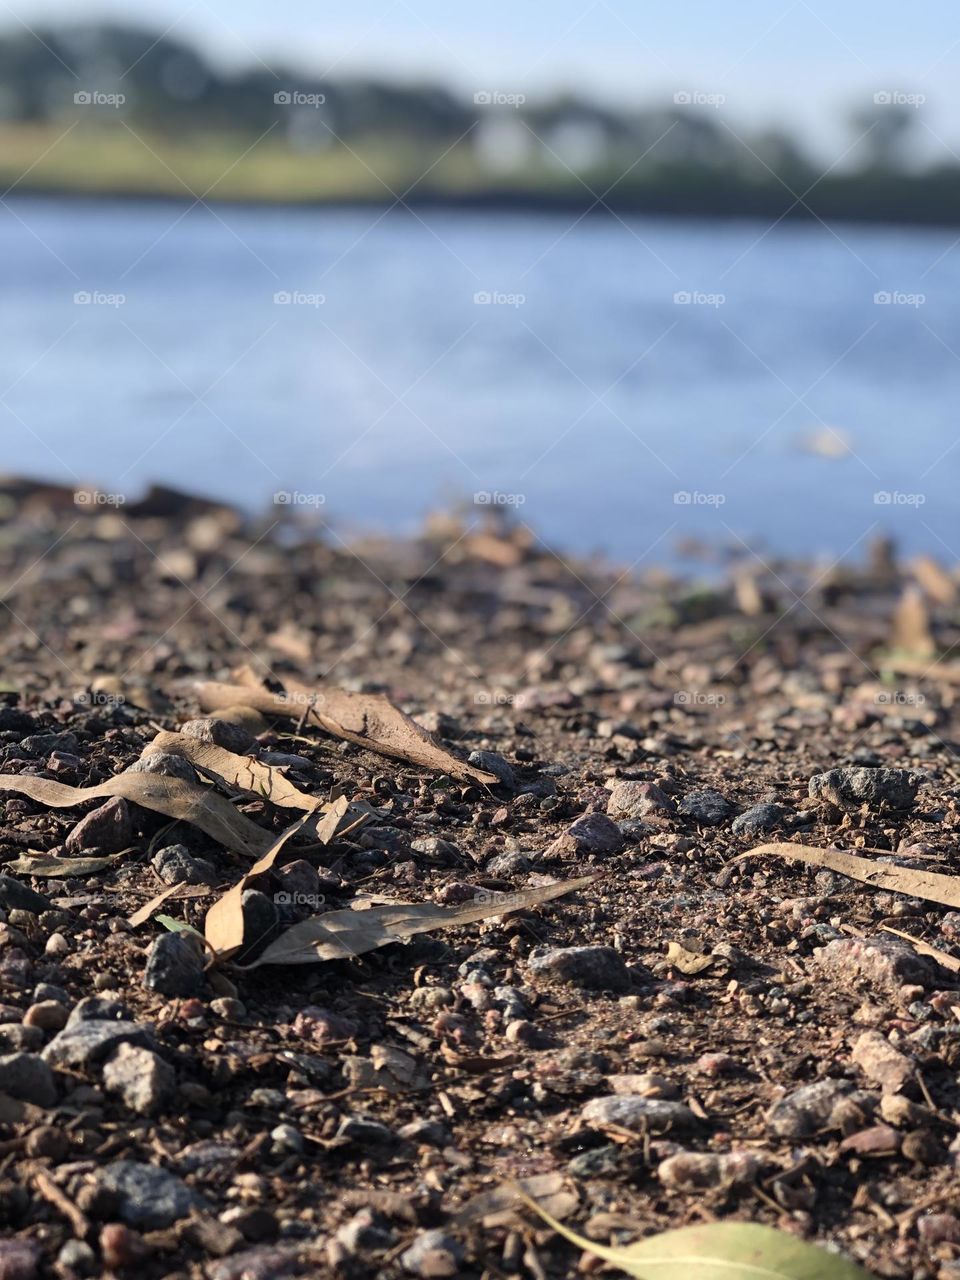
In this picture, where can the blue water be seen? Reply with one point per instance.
(583, 392)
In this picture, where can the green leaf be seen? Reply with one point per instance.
(715, 1251)
(178, 926)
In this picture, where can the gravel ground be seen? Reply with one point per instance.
(787, 1061)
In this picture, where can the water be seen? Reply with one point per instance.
(583, 394)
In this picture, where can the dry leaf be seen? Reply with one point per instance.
(930, 885)
(42, 864)
(689, 962)
(925, 949)
(143, 914)
(185, 801)
(223, 926)
(499, 1205)
(368, 719)
(935, 581)
(342, 935)
(242, 772)
(714, 1251)
(911, 624)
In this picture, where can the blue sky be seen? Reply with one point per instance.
(774, 61)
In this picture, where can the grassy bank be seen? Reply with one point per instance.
(116, 161)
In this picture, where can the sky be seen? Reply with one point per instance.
(771, 62)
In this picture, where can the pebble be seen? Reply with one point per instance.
(366, 1231)
(707, 807)
(286, 1139)
(511, 863)
(761, 819)
(893, 788)
(637, 799)
(431, 1132)
(364, 1131)
(206, 1157)
(881, 1063)
(15, 1037)
(220, 733)
(174, 965)
(591, 833)
(85, 1042)
(41, 744)
(176, 865)
(434, 847)
(76, 1255)
(167, 765)
(120, 1247)
(147, 1196)
(27, 1077)
(263, 1263)
(696, 1171)
(433, 1254)
(48, 1015)
(883, 963)
(56, 945)
(108, 829)
(643, 1085)
(808, 1109)
(261, 923)
(18, 1259)
(99, 1009)
(590, 968)
(491, 762)
(141, 1078)
(631, 1112)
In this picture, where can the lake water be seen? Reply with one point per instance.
(582, 393)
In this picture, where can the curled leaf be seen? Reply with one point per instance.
(242, 772)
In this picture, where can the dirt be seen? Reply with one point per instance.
(336, 1119)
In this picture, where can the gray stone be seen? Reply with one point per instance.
(883, 963)
(364, 1131)
(707, 807)
(27, 1077)
(99, 1009)
(629, 1111)
(206, 1157)
(167, 765)
(175, 965)
(491, 762)
(77, 1256)
(704, 1171)
(41, 744)
(808, 1109)
(108, 829)
(15, 896)
(18, 1259)
(176, 865)
(141, 1078)
(366, 1232)
(851, 787)
(148, 1197)
(265, 1262)
(637, 800)
(590, 968)
(511, 863)
(261, 922)
(15, 1036)
(591, 833)
(85, 1042)
(760, 819)
(433, 1254)
(220, 733)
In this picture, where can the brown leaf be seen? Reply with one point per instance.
(223, 926)
(689, 962)
(43, 864)
(143, 914)
(930, 885)
(242, 772)
(185, 801)
(368, 719)
(925, 949)
(342, 935)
